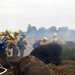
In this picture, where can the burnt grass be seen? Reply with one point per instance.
(65, 68)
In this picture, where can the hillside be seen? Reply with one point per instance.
(66, 68)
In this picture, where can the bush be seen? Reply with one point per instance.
(68, 52)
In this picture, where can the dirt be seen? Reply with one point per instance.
(65, 68)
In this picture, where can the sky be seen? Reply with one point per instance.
(17, 14)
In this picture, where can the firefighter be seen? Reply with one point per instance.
(43, 41)
(13, 45)
(16, 33)
(22, 44)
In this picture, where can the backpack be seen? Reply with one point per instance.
(2, 44)
(36, 44)
(20, 43)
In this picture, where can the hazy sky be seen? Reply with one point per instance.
(17, 14)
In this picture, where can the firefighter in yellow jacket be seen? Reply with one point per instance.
(22, 42)
(16, 33)
(12, 45)
(6, 34)
(3, 53)
(1, 35)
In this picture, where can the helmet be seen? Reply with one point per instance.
(55, 39)
(12, 36)
(17, 31)
(55, 34)
(40, 40)
(8, 30)
(45, 38)
(24, 34)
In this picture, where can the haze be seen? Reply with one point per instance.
(17, 14)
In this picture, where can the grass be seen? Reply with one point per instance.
(65, 68)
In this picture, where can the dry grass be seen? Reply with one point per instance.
(66, 68)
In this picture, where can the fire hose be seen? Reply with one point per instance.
(3, 69)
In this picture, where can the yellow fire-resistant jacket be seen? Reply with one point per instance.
(12, 41)
(1, 35)
(25, 41)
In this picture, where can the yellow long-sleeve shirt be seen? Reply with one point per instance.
(25, 41)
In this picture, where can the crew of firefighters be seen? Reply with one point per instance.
(8, 45)
(12, 39)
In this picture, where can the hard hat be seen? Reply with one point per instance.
(12, 36)
(55, 39)
(55, 34)
(17, 31)
(45, 38)
(24, 34)
(8, 30)
(40, 40)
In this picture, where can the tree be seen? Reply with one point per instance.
(42, 30)
(52, 29)
(31, 29)
(63, 29)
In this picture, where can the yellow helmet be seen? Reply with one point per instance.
(12, 36)
(55, 34)
(55, 39)
(17, 31)
(45, 38)
(8, 30)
